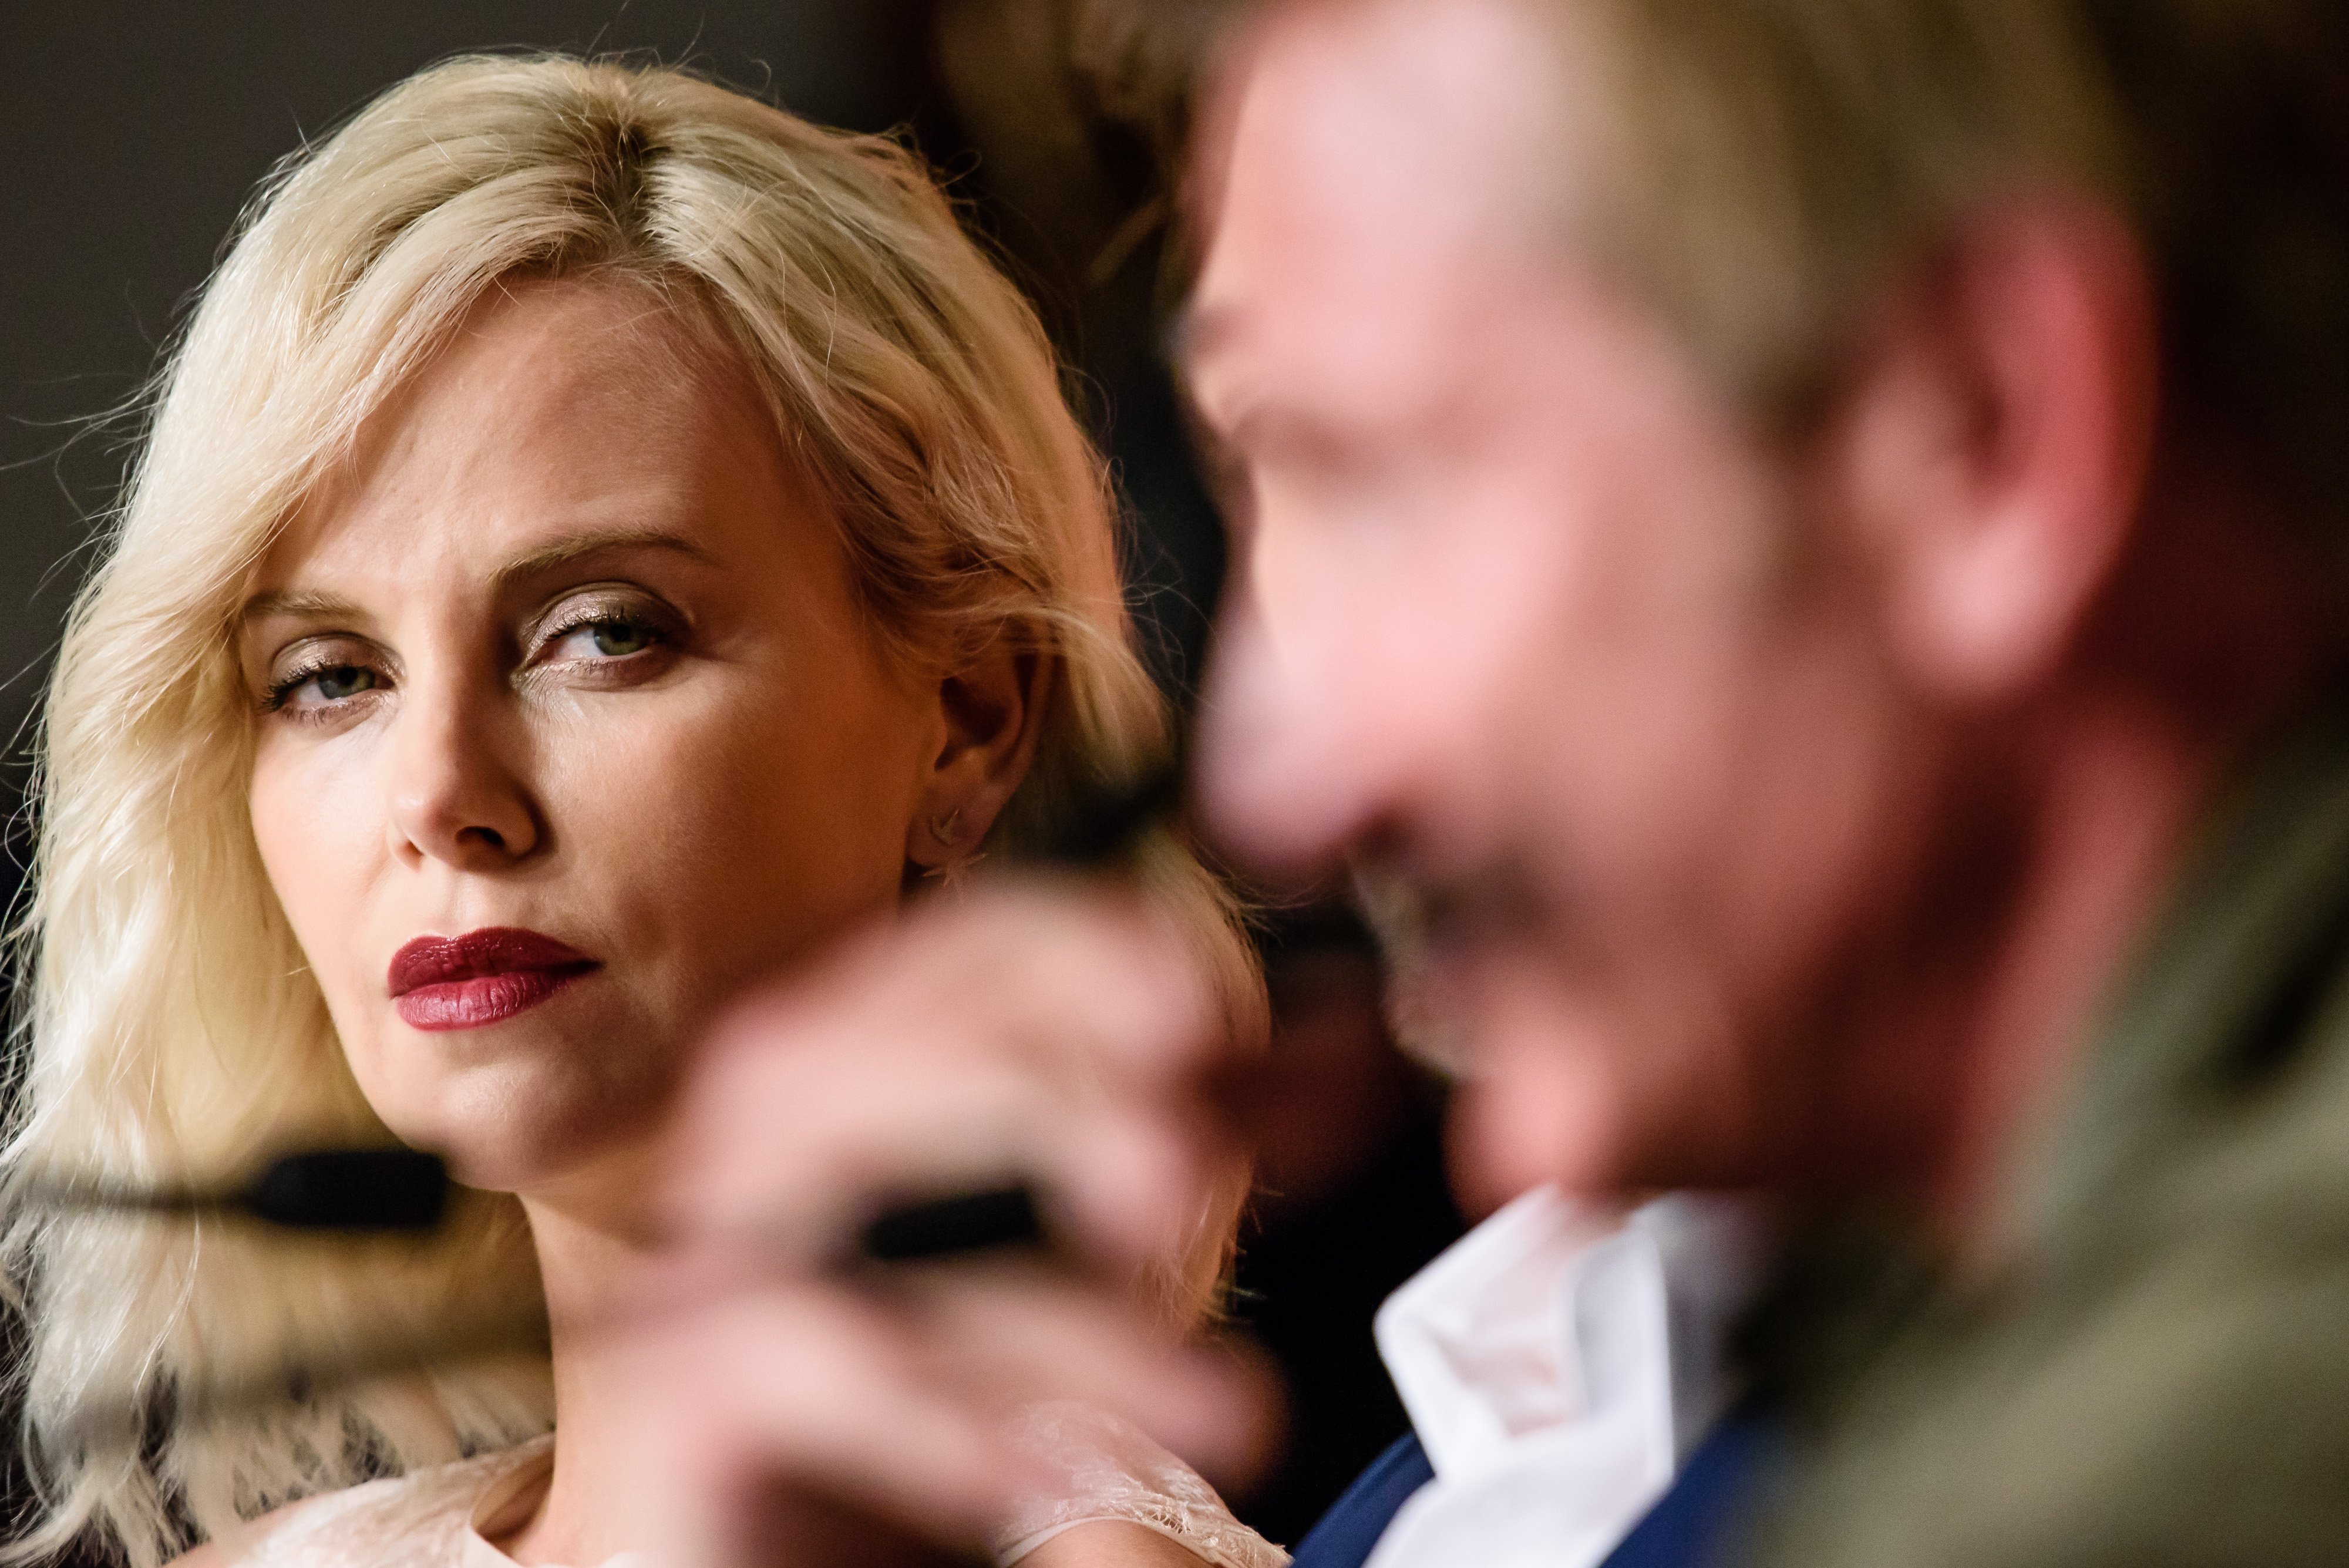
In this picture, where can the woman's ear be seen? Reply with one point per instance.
(990, 711)
(1994, 443)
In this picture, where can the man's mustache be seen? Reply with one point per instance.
(1429, 929)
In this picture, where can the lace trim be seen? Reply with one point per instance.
(419, 1521)
(1115, 1472)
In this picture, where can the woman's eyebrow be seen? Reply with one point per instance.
(559, 552)
(529, 563)
(285, 602)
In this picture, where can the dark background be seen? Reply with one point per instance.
(130, 134)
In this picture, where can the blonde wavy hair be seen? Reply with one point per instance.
(175, 1034)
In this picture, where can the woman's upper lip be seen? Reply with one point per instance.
(493, 949)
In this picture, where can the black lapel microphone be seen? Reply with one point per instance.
(323, 1189)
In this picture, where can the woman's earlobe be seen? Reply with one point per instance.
(942, 838)
(992, 712)
(953, 851)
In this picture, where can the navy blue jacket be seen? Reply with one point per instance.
(1691, 1525)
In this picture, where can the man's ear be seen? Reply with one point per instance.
(1991, 445)
(991, 710)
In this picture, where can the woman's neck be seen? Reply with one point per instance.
(591, 1235)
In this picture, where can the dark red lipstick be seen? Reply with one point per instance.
(481, 977)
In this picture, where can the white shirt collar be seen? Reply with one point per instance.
(1558, 1362)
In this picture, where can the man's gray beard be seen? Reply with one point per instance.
(1429, 1026)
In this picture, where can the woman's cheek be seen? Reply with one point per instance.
(291, 826)
(316, 838)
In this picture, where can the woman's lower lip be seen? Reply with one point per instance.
(483, 999)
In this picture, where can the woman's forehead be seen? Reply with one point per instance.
(556, 412)
(558, 368)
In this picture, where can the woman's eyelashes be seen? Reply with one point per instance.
(597, 641)
(581, 636)
(600, 637)
(322, 685)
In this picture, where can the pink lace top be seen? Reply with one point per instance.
(446, 1517)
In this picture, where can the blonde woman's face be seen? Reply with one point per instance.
(566, 726)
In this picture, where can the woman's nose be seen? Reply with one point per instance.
(456, 795)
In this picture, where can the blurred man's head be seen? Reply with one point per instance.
(1733, 491)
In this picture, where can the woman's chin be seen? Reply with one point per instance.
(595, 1171)
(529, 1103)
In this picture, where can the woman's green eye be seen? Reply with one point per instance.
(344, 681)
(617, 638)
(613, 636)
(318, 689)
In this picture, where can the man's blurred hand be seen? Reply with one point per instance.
(1039, 1036)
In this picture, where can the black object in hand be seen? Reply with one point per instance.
(937, 1229)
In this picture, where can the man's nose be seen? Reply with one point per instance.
(456, 795)
(1294, 768)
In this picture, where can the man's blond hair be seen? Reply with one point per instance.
(1781, 154)
(1771, 159)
